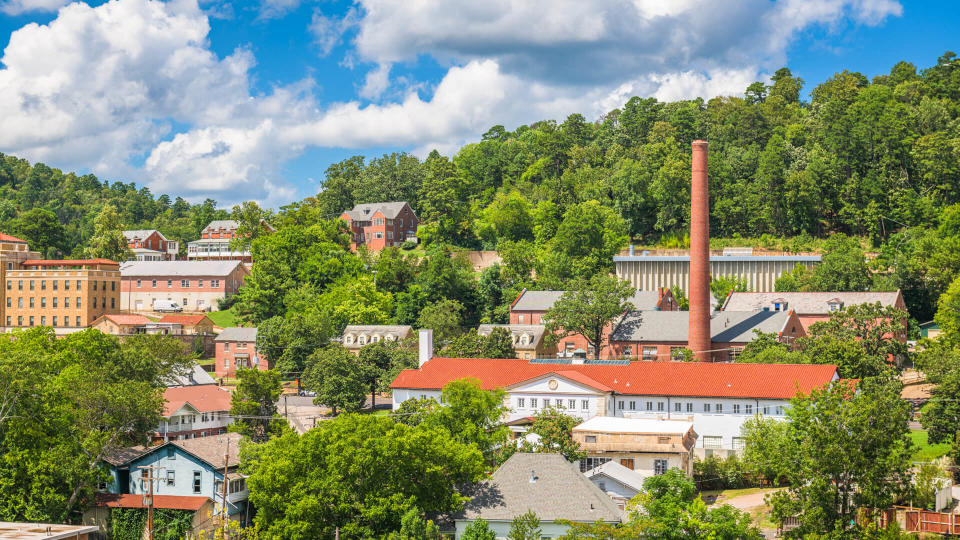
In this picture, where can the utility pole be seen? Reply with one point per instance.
(148, 500)
(226, 457)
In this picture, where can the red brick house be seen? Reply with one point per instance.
(380, 225)
(214, 242)
(660, 335)
(151, 245)
(197, 286)
(236, 347)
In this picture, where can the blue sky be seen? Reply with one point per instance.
(253, 100)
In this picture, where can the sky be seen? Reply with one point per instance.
(254, 100)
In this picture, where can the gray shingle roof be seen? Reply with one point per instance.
(544, 300)
(535, 331)
(238, 333)
(213, 448)
(559, 492)
(399, 330)
(725, 326)
(222, 224)
(141, 234)
(194, 376)
(611, 469)
(364, 212)
(806, 302)
(178, 268)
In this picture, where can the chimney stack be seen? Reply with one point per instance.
(699, 330)
(426, 346)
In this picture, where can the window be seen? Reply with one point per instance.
(739, 443)
(660, 406)
(66, 284)
(706, 407)
(719, 408)
(590, 438)
(31, 321)
(733, 353)
(835, 306)
(199, 283)
(226, 363)
(31, 301)
(19, 301)
(650, 354)
(627, 350)
(627, 462)
(78, 304)
(113, 303)
(78, 321)
(590, 463)
(20, 320)
(54, 299)
(659, 466)
(533, 403)
(621, 405)
(171, 478)
(572, 403)
(378, 221)
(226, 346)
(54, 321)
(378, 235)
(43, 284)
(20, 285)
(113, 285)
(676, 407)
(169, 283)
(185, 283)
(95, 284)
(390, 235)
(54, 283)
(663, 439)
(215, 283)
(8, 320)
(520, 403)
(633, 405)
(138, 284)
(778, 411)
(712, 442)
(766, 409)
(585, 404)
(66, 301)
(185, 302)
(736, 408)
(689, 407)
(94, 301)
(749, 409)
(153, 283)
(43, 320)
(196, 481)
(31, 284)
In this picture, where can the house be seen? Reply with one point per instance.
(530, 306)
(356, 336)
(719, 397)
(930, 330)
(67, 295)
(379, 225)
(649, 446)
(189, 323)
(545, 484)
(46, 531)
(120, 324)
(812, 307)
(661, 335)
(236, 348)
(618, 482)
(186, 468)
(214, 242)
(100, 513)
(194, 411)
(151, 245)
(527, 339)
(197, 375)
(197, 286)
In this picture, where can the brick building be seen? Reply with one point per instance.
(214, 242)
(151, 245)
(121, 324)
(379, 225)
(236, 347)
(196, 285)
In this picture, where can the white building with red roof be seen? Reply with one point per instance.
(194, 411)
(716, 397)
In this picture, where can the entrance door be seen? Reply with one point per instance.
(628, 463)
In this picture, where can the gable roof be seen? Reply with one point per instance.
(535, 331)
(544, 300)
(628, 477)
(400, 330)
(362, 212)
(196, 375)
(238, 333)
(141, 234)
(806, 302)
(123, 319)
(725, 326)
(212, 448)
(222, 224)
(202, 397)
(558, 492)
(692, 379)
(178, 268)
(184, 318)
(4, 237)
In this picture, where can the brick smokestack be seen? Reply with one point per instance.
(699, 331)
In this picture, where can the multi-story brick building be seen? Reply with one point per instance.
(214, 243)
(67, 295)
(196, 286)
(379, 225)
(236, 348)
(151, 245)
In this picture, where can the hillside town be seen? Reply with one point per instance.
(723, 302)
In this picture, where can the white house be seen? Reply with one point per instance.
(194, 411)
(617, 481)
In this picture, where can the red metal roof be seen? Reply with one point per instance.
(183, 319)
(169, 502)
(67, 262)
(4, 237)
(202, 397)
(703, 379)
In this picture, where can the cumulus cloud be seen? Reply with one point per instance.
(328, 31)
(18, 7)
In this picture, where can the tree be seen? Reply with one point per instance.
(508, 217)
(497, 344)
(338, 378)
(948, 311)
(358, 473)
(41, 229)
(250, 220)
(473, 416)
(108, 241)
(587, 308)
(765, 445)
(555, 429)
(254, 405)
(381, 362)
(587, 239)
(525, 527)
(414, 527)
(722, 286)
(878, 329)
(478, 529)
(444, 318)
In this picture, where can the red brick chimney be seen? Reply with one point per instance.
(699, 331)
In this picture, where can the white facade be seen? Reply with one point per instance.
(186, 422)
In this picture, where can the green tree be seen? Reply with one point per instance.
(444, 318)
(497, 344)
(722, 286)
(414, 527)
(251, 224)
(254, 405)
(41, 229)
(555, 430)
(948, 312)
(508, 217)
(339, 379)
(478, 529)
(525, 527)
(765, 445)
(108, 241)
(587, 308)
(382, 361)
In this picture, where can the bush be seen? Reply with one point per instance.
(408, 245)
(227, 302)
(713, 473)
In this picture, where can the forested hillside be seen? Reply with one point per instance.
(55, 211)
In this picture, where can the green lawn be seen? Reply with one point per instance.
(223, 318)
(924, 450)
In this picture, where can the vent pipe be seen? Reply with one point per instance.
(699, 330)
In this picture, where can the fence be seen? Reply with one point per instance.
(919, 520)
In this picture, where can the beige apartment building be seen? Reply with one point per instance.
(647, 446)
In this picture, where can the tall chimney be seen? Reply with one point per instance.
(426, 346)
(699, 331)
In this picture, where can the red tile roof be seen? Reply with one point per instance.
(183, 319)
(202, 397)
(695, 379)
(7, 238)
(124, 319)
(67, 262)
(169, 502)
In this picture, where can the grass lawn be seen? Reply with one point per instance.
(223, 319)
(206, 361)
(924, 450)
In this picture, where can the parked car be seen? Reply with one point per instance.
(308, 393)
(166, 306)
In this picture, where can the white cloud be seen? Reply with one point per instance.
(376, 82)
(328, 31)
(18, 7)
(274, 9)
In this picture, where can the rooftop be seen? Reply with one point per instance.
(806, 302)
(401, 330)
(167, 502)
(183, 318)
(363, 212)
(202, 397)
(44, 531)
(535, 331)
(718, 258)
(124, 319)
(546, 484)
(8, 238)
(672, 326)
(218, 224)
(238, 333)
(68, 262)
(141, 234)
(196, 375)
(618, 472)
(693, 379)
(617, 424)
(213, 448)
(178, 268)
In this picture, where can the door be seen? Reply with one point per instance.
(628, 463)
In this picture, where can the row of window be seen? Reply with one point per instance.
(379, 221)
(55, 284)
(54, 301)
(43, 321)
(716, 408)
(204, 417)
(559, 403)
(184, 283)
(242, 362)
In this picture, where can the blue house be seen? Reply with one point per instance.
(189, 467)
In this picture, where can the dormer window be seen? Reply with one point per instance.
(525, 339)
(390, 337)
(779, 304)
(834, 304)
(348, 339)
(375, 338)
(362, 340)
